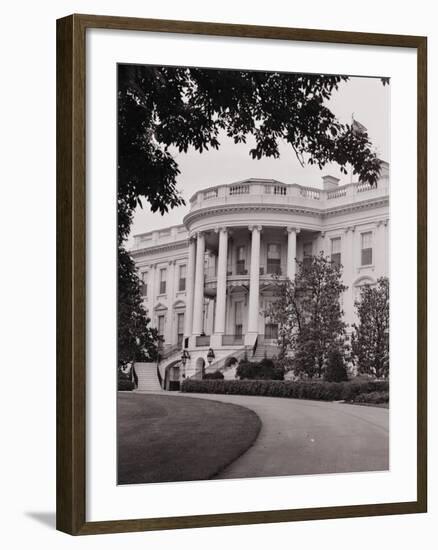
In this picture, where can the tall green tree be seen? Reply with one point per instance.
(309, 315)
(137, 341)
(370, 337)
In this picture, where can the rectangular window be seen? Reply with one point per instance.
(161, 319)
(336, 250)
(271, 331)
(180, 328)
(274, 259)
(240, 261)
(163, 277)
(238, 319)
(182, 278)
(144, 284)
(367, 248)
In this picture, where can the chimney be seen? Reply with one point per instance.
(329, 183)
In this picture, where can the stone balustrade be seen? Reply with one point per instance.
(272, 192)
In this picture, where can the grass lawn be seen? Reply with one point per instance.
(173, 438)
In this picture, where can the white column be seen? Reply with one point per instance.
(380, 249)
(198, 299)
(386, 233)
(190, 286)
(291, 252)
(210, 317)
(170, 288)
(221, 294)
(322, 244)
(152, 292)
(348, 261)
(254, 280)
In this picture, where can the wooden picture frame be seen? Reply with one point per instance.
(71, 273)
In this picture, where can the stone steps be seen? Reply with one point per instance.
(147, 377)
(268, 351)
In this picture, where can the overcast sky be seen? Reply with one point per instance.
(367, 98)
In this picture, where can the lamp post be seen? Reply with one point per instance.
(210, 357)
(184, 356)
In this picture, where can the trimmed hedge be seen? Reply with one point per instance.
(375, 397)
(264, 370)
(321, 391)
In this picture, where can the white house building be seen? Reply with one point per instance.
(207, 282)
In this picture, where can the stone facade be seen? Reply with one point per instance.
(208, 281)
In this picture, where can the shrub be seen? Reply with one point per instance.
(230, 361)
(125, 384)
(216, 375)
(322, 391)
(336, 371)
(375, 397)
(265, 370)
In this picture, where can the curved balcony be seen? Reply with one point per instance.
(262, 191)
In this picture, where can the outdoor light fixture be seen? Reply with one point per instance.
(210, 356)
(184, 356)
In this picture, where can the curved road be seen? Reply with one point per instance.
(310, 437)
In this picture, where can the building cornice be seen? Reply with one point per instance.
(211, 212)
(322, 213)
(180, 245)
(356, 206)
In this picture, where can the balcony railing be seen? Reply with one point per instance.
(276, 189)
(243, 271)
(166, 350)
(337, 193)
(310, 193)
(271, 191)
(239, 189)
(210, 194)
(361, 187)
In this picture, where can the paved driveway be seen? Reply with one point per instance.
(310, 437)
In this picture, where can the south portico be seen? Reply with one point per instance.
(243, 267)
(230, 283)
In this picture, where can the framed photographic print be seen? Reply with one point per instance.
(241, 287)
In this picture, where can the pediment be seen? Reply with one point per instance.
(364, 280)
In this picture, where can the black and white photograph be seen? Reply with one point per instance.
(253, 274)
(217, 293)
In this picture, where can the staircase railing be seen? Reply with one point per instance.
(166, 352)
(254, 348)
(220, 363)
(160, 378)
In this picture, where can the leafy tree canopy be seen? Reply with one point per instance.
(370, 338)
(309, 315)
(137, 341)
(180, 107)
(336, 370)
